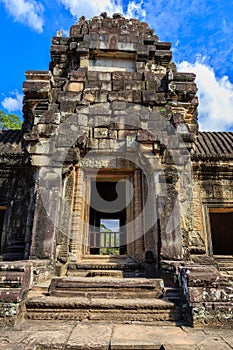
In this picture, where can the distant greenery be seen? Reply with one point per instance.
(9, 121)
(108, 250)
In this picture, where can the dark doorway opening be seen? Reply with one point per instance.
(221, 222)
(107, 218)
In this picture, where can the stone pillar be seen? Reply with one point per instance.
(149, 198)
(130, 218)
(171, 240)
(138, 225)
(46, 215)
(86, 216)
(77, 216)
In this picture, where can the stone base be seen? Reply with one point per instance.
(107, 287)
(98, 309)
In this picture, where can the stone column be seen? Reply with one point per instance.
(77, 216)
(148, 192)
(46, 215)
(130, 219)
(138, 225)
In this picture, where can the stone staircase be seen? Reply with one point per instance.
(225, 265)
(15, 280)
(99, 291)
(106, 266)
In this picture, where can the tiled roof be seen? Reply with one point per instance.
(213, 145)
(11, 142)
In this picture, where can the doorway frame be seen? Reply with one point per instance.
(109, 175)
(207, 208)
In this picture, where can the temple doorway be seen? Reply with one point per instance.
(221, 223)
(107, 232)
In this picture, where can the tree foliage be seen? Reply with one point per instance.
(9, 121)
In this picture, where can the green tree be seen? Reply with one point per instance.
(9, 121)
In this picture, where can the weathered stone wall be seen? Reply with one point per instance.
(208, 295)
(212, 186)
(16, 196)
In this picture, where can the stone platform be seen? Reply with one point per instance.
(72, 335)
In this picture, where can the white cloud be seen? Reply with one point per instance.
(27, 12)
(92, 8)
(135, 10)
(215, 96)
(14, 103)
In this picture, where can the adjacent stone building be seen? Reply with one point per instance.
(111, 177)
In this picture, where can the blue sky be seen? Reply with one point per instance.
(200, 32)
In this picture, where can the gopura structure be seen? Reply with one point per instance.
(110, 178)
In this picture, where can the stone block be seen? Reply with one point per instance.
(118, 85)
(100, 108)
(137, 96)
(73, 45)
(140, 66)
(160, 98)
(104, 76)
(37, 75)
(84, 62)
(101, 96)
(40, 160)
(93, 85)
(183, 77)
(75, 87)
(82, 119)
(106, 85)
(145, 136)
(93, 76)
(118, 105)
(152, 85)
(113, 134)
(79, 75)
(134, 85)
(89, 96)
(45, 129)
(83, 337)
(58, 49)
(101, 132)
(36, 87)
(128, 96)
(70, 96)
(126, 46)
(150, 76)
(149, 96)
(68, 106)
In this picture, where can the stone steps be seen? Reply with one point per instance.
(112, 267)
(107, 287)
(15, 279)
(99, 309)
(172, 294)
(14, 252)
(121, 300)
(225, 265)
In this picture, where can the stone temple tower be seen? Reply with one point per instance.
(110, 177)
(113, 89)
